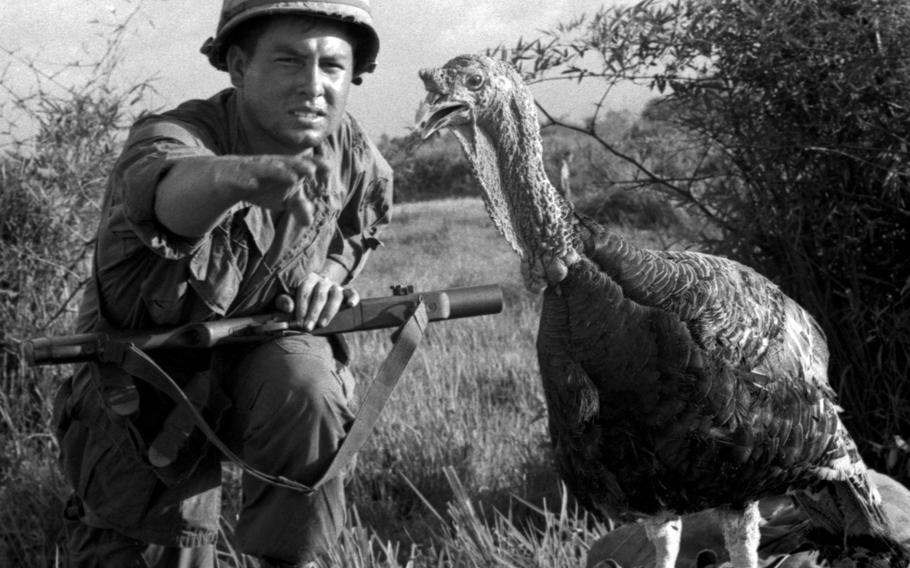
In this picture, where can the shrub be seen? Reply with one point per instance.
(790, 127)
(60, 141)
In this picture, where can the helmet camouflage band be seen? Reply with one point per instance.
(355, 12)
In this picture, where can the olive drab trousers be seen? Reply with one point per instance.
(288, 412)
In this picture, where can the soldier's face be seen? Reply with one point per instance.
(293, 88)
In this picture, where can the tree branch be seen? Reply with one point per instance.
(680, 191)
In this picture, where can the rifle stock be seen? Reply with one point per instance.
(370, 313)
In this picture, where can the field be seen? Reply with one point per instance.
(467, 423)
(456, 472)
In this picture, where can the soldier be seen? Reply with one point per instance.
(266, 190)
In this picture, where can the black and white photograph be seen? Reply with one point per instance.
(454, 284)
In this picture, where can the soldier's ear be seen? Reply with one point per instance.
(236, 60)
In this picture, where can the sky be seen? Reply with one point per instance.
(165, 35)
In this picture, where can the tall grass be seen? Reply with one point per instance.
(457, 471)
(469, 399)
(467, 423)
(57, 140)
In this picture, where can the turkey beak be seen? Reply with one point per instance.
(436, 113)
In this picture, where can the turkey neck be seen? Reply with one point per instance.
(541, 215)
(506, 154)
(507, 158)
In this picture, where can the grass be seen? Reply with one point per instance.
(469, 400)
(467, 422)
(456, 473)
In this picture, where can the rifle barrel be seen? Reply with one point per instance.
(370, 313)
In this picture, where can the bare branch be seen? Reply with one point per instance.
(678, 190)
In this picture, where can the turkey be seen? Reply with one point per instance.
(674, 381)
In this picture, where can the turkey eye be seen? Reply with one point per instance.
(474, 81)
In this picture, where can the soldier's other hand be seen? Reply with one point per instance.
(275, 182)
(319, 298)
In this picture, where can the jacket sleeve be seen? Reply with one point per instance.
(145, 272)
(151, 150)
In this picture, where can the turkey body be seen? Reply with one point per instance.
(692, 395)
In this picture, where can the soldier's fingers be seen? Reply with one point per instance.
(301, 208)
(332, 304)
(309, 167)
(351, 297)
(317, 299)
(304, 292)
(275, 169)
(266, 182)
(323, 169)
(284, 303)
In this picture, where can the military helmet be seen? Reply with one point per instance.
(355, 12)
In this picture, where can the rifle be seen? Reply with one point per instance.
(405, 310)
(370, 313)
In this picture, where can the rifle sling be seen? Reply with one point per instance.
(138, 364)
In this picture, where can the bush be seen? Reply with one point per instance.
(785, 127)
(812, 126)
(60, 143)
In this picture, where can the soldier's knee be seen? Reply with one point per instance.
(293, 379)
